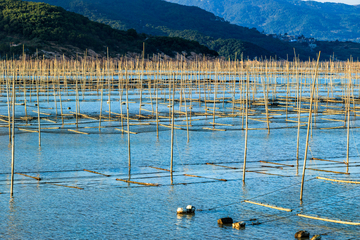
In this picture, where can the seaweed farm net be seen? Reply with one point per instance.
(81, 113)
(92, 96)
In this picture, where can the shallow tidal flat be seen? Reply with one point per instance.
(73, 121)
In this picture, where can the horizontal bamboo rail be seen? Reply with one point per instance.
(47, 114)
(221, 166)
(336, 180)
(333, 127)
(269, 206)
(325, 160)
(75, 131)
(221, 124)
(37, 178)
(321, 170)
(3, 120)
(214, 129)
(140, 183)
(60, 185)
(277, 167)
(218, 179)
(48, 120)
(124, 131)
(281, 164)
(167, 126)
(335, 120)
(328, 220)
(27, 130)
(267, 173)
(163, 169)
(97, 173)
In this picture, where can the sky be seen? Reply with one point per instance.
(350, 2)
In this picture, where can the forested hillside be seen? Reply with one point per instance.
(323, 21)
(39, 25)
(158, 17)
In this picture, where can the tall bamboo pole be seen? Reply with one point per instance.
(348, 120)
(38, 109)
(172, 130)
(128, 121)
(246, 124)
(308, 127)
(13, 138)
(8, 104)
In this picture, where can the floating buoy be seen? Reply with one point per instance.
(189, 210)
(239, 225)
(180, 210)
(226, 220)
(316, 237)
(302, 234)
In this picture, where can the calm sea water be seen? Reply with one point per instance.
(108, 209)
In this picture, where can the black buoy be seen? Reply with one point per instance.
(226, 220)
(302, 234)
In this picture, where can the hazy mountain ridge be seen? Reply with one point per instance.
(324, 21)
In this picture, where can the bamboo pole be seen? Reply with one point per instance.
(348, 120)
(246, 125)
(38, 109)
(128, 121)
(8, 106)
(172, 130)
(13, 138)
(308, 127)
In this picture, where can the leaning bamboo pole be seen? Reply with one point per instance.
(308, 127)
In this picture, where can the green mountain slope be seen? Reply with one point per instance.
(158, 17)
(323, 21)
(51, 28)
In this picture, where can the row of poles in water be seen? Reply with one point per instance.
(93, 75)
